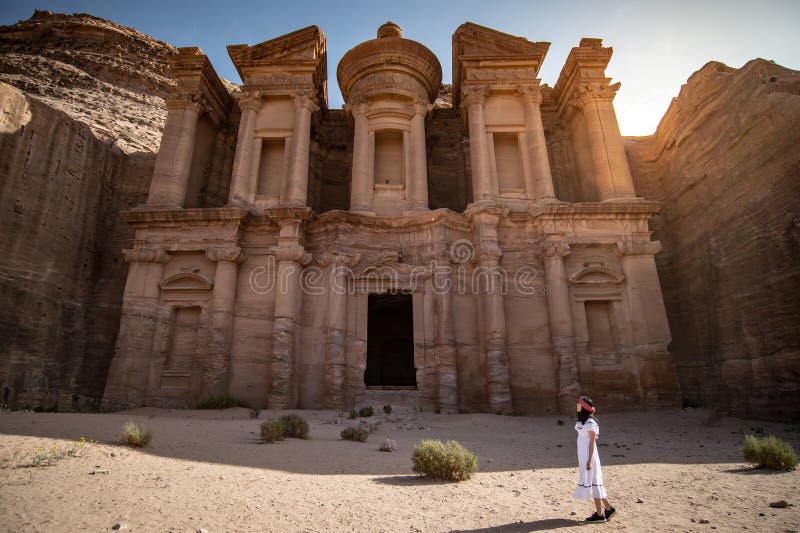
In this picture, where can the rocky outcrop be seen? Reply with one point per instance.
(108, 76)
(725, 163)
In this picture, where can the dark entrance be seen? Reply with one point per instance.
(390, 342)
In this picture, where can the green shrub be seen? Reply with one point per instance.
(272, 430)
(769, 452)
(294, 427)
(355, 433)
(448, 461)
(353, 414)
(364, 412)
(221, 401)
(387, 409)
(134, 434)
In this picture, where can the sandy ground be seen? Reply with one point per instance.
(208, 470)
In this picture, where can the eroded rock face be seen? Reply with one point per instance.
(725, 163)
(108, 76)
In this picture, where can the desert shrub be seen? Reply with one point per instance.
(366, 411)
(221, 401)
(448, 461)
(272, 430)
(294, 427)
(387, 409)
(134, 434)
(769, 452)
(353, 414)
(355, 433)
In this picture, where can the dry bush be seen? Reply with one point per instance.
(355, 433)
(448, 461)
(135, 434)
(365, 412)
(272, 430)
(221, 401)
(769, 452)
(294, 427)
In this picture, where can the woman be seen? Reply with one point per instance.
(590, 482)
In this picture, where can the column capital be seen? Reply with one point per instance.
(357, 108)
(633, 247)
(474, 94)
(339, 258)
(295, 253)
(588, 93)
(555, 249)
(248, 100)
(146, 255)
(189, 101)
(305, 100)
(488, 255)
(233, 254)
(530, 94)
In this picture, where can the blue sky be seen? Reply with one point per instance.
(657, 45)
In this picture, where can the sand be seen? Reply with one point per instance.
(664, 471)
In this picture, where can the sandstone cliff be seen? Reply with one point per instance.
(78, 137)
(726, 165)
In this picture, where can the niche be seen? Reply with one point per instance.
(184, 340)
(389, 158)
(508, 162)
(272, 169)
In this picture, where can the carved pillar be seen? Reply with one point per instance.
(296, 193)
(174, 159)
(362, 189)
(419, 154)
(127, 377)
(609, 161)
(336, 328)
(542, 186)
(291, 257)
(491, 278)
(561, 329)
(242, 190)
(445, 336)
(473, 100)
(215, 379)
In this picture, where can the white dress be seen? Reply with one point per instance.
(590, 482)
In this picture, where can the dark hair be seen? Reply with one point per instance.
(583, 414)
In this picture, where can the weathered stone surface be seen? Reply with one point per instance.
(725, 164)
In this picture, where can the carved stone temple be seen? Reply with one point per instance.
(483, 250)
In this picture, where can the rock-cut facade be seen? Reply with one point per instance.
(473, 248)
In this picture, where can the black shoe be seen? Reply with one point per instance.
(596, 518)
(609, 513)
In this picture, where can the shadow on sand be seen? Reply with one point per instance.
(522, 527)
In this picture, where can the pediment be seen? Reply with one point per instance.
(472, 40)
(304, 46)
(186, 281)
(593, 275)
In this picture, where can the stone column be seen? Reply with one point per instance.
(561, 329)
(296, 193)
(445, 337)
(215, 378)
(242, 190)
(127, 377)
(174, 159)
(609, 161)
(491, 276)
(335, 372)
(419, 154)
(542, 187)
(362, 188)
(473, 100)
(291, 257)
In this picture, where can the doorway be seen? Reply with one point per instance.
(390, 342)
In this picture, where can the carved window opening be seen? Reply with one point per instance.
(602, 343)
(508, 162)
(184, 340)
(390, 342)
(272, 168)
(389, 158)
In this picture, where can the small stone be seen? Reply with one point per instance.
(703, 521)
(761, 514)
(572, 513)
(780, 504)
(120, 526)
(693, 520)
(201, 530)
(639, 500)
(388, 445)
(488, 460)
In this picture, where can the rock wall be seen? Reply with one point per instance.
(725, 163)
(61, 274)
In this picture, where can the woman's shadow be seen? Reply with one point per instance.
(520, 527)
